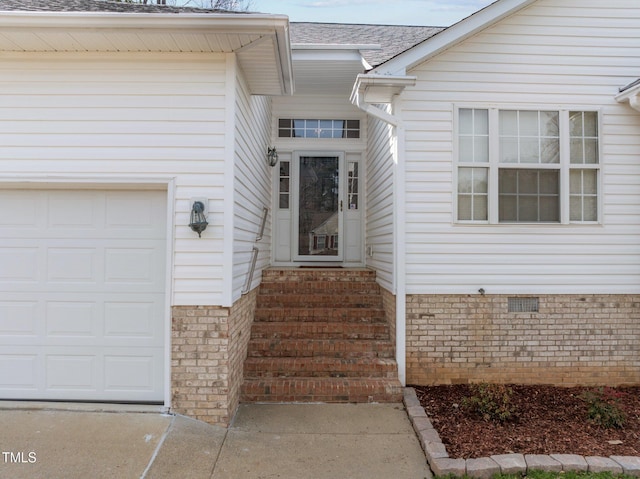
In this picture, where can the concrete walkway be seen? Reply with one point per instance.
(265, 441)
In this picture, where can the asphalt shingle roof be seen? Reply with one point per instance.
(96, 6)
(394, 39)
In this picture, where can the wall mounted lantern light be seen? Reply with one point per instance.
(198, 220)
(272, 156)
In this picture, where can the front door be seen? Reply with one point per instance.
(318, 207)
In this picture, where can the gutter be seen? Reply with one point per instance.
(376, 89)
(383, 89)
(204, 22)
(632, 95)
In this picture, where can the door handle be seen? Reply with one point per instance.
(340, 205)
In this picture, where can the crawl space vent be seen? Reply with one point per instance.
(523, 305)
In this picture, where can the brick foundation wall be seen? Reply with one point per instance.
(240, 321)
(572, 340)
(389, 305)
(209, 344)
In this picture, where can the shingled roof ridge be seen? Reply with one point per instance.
(100, 6)
(368, 24)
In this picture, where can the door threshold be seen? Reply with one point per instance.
(321, 267)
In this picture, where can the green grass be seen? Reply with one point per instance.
(558, 475)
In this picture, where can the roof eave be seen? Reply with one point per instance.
(451, 36)
(109, 23)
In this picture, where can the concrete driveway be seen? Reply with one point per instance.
(265, 441)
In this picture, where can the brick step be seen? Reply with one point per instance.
(319, 330)
(319, 287)
(330, 390)
(320, 367)
(312, 300)
(338, 348)
(318, 313)
(344, 275)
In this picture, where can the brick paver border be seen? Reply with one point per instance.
(483, 468)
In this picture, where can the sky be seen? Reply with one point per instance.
(440, 13)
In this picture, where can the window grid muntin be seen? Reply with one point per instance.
(582, 193)
(284, 185)
(476, 196)
(353, 185)
(546, 146)
(473, 139)
(583, 131)
(521, 196)
(318, 128)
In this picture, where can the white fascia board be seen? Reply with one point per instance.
(284, 54)
(222, 23)
(451, 36)
(326, 55)
(330, 52)
(333, 46)
(333, 52)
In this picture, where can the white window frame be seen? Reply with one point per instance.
(494, 165)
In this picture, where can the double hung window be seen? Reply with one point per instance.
(527, 166)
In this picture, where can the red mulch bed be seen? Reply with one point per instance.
(550, 420)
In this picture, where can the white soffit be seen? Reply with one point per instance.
(328, 69)
(268, 68)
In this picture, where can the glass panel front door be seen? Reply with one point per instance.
(319, 218)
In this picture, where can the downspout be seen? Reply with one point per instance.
(634, 102)
(398, 152)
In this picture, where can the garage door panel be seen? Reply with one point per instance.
(130, 373)
(82, 300)
(19, 372)
(77, 210)
(19, 210)
(18, 318)
(133, 212)
(129, 265)
(64, 319)
(19, 264)
(131, 320)
(72, 265)
(58, 319)
(73, 372)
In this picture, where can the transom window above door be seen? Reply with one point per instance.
(527, 166)
(301, 128)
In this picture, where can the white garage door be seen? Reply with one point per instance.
(82, 277)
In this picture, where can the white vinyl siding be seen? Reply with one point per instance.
(127, 116)
(380, 206)
(571, 54)
(252, 185)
